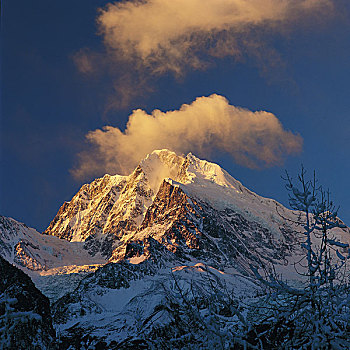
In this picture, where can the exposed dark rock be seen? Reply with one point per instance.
(189, 227)
(25, 319)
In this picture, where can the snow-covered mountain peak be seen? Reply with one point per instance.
(199, 170)
(161, 164)
(166, 190)
(114, 206)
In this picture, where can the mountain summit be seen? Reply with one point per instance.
(187, 206)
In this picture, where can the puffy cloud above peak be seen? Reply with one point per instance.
(208, 124)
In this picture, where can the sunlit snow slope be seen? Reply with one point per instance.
(35, 252)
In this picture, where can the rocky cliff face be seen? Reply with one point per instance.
(192, 229)
(25, 317)
(73, 222)
(197, 198)
(103, 211)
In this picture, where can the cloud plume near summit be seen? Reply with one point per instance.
(208, 124)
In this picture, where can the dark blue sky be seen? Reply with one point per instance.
(48, 106)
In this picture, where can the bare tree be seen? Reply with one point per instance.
(316, 316)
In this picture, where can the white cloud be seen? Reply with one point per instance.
(173, 35)
(208, 124)
(145, 39)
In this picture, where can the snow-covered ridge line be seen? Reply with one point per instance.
(114, 205)
(35, 253)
